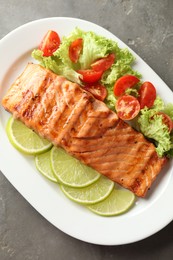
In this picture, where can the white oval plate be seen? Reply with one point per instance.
(148, 216)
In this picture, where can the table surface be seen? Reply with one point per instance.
(147, 27)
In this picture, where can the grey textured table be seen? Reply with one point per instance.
(147, 27)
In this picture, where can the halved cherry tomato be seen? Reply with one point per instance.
(50, 43)
(90, 76)
(127, 107)
(147, 95)
(167, 120)
(126, 81)
(103, 63)
(75, 49)
(99, 91)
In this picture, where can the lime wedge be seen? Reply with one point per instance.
(25, 139)
(118, 202)
(91, 194)
(43, 165)
(70, 171)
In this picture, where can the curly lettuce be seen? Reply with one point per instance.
(56, 65)
(152, 126)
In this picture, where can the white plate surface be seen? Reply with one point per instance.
(148, 216)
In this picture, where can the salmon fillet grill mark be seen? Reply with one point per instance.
(85, 127)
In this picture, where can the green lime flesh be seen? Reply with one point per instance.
(91, 194)
(118, 202)
(43, 165)
(25, 139)
(70, 171)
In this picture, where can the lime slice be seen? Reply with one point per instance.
(43, 165)
(25, 139)
(70, 171)
(91, 194)
(118, 202)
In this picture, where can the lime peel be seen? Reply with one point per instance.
(25, 139)
(118, 202)
(43, 165)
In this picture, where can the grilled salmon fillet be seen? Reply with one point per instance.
(85, 127)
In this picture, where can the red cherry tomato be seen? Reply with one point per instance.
(167, 120)
(90, 76)
(127, 107)
(147, 95)
(104, 63)
(50, 43)
(126, 81)
(97, 90)
(75, 49)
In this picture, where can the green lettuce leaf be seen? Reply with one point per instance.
(56, 65)
(152, 126)
(132, 91)
(117, 70)
(110, 99)
(158, 104)
(47, 62)
(95, 47)
(62, 52)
